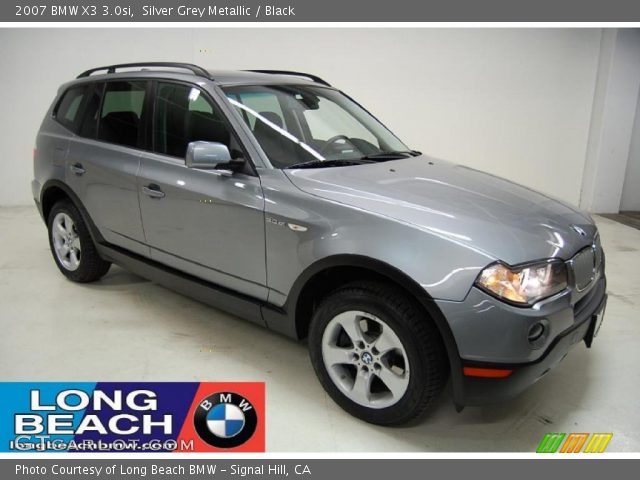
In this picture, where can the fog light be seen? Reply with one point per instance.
(538, 333)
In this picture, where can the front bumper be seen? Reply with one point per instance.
(477, 390)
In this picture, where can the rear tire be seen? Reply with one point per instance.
(71, 244)
(376, 353)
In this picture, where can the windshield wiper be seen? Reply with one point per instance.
(392, 155)
(327, 163)
(374, 157)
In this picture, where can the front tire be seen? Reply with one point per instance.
(376, 353)
(72, 246)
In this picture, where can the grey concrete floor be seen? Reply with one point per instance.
(124, 328)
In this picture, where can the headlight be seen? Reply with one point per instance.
(524, 285)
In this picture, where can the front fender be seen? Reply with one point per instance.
(306, 234)
(302, 229)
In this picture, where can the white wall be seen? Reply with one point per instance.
(514, 102)
(614, 110)
(630, 200)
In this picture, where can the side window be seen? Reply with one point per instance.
(121, 112)
(200, 104)
(182, 115)
(67, 110)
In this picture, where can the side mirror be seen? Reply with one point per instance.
(210, 156)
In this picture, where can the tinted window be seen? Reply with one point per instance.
(67, 111)
(121, 113)
(183, 115)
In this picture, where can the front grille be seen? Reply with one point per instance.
(585, 265)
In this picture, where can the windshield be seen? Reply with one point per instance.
(297, 124)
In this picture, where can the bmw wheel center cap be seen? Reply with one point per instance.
(367, 359)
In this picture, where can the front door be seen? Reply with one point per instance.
(203, 222)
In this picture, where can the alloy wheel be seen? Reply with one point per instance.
(365, 359)
(66, 242)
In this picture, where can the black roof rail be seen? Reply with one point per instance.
(201, 72)
(294, 74)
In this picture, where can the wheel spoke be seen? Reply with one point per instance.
(68, 224)
(386, 341)
(60, 227)
(351, 325)
(361, 391)
(397, 384)
(334, 355)
(57, 240)
(73, 256)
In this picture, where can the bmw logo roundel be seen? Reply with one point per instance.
(579, 230)
(225, 420)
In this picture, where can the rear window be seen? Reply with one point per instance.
(68, 109)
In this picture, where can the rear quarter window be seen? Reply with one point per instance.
(67, 112)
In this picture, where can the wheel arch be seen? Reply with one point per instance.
(316, 281)
(52, 192)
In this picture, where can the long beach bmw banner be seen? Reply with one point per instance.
(132, 417)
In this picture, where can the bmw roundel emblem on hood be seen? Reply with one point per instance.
(579, 230)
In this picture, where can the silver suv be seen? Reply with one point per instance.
(278, 198)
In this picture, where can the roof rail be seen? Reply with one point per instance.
(294, 74)
(201, 72)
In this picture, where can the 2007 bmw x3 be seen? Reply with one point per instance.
(278, 198)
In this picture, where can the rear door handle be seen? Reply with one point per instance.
(153, 191)
(77, 168)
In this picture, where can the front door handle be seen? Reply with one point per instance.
(77, 168)
(153, 191)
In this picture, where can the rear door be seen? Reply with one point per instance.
(104, 158)
(202, 222)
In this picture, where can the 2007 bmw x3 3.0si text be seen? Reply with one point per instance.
(278, 198)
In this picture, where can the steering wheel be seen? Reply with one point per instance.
(329, 143)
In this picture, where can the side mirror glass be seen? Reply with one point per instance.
(207, 155)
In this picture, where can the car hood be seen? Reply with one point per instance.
(499, 218)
